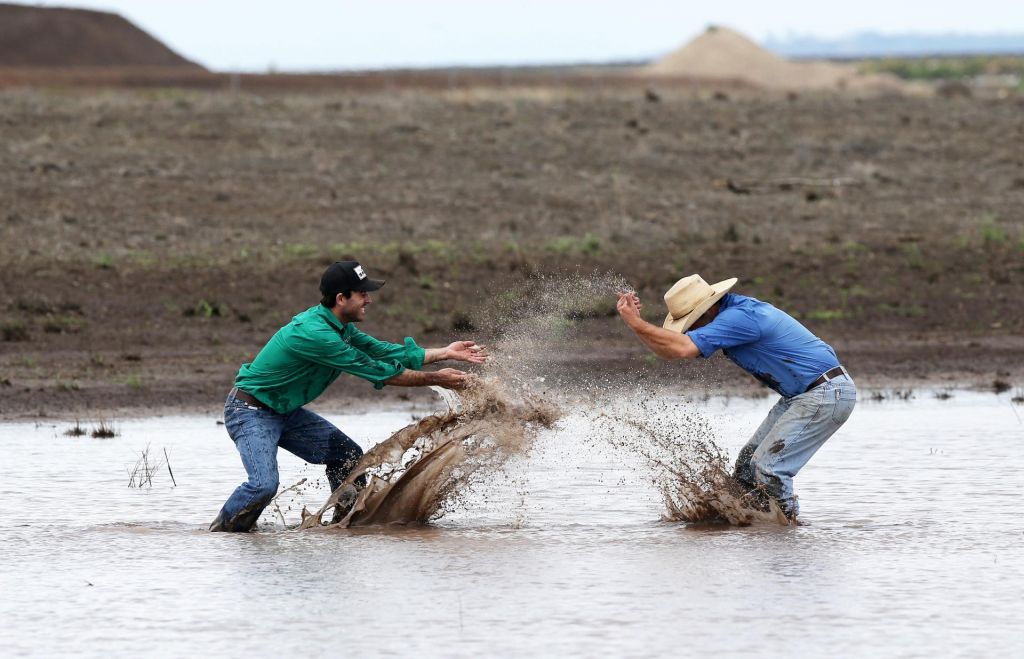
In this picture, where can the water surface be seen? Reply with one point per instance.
(913, 547)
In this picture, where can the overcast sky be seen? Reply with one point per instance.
(254, 35)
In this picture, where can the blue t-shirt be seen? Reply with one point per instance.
(768, 343)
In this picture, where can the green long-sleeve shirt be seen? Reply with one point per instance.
(305, 356)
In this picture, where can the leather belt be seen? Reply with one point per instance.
(248, 398)
(827, 376)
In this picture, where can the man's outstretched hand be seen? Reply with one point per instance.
(451, 378)
(467, 351)
(629, 307)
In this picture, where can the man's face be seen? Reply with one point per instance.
(706, 317)
(353, 310)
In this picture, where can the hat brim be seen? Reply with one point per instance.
(367, 285)
(682, 324)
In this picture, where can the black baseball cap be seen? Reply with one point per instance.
(342, 276)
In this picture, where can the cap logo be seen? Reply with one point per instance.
(360, 273)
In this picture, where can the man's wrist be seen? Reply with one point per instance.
(635, 322)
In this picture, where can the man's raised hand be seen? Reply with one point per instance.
(628, 306)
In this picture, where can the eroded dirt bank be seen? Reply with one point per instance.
(151, 241)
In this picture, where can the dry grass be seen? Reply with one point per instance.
(141, 474)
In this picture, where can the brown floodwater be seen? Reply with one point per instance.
(912, 545)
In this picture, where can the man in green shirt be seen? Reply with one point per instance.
(265, 408)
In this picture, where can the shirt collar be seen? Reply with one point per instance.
(329, 316)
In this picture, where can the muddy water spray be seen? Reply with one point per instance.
(423, 469)
(427, 467)
(680, 448)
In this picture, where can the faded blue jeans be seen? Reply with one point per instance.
(794, 430)
(257, 433)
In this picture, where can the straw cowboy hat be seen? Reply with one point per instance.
(689, 298)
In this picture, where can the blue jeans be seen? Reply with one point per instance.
(257, 433)
(794, 430)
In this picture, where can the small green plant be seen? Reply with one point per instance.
(133, 381)
(104, 262)
(67, 386)
(300, 250)
(991, 232)
(914, 258)
(560, 245)
(591, 245)
(206, 309)
(588, 245)
(930, 68)
(14, 332)
(426, 282)
(826, 314)
(63, 324)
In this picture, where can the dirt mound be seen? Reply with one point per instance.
(721, 53)
(56, 37)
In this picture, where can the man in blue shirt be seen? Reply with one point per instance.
(817, 393)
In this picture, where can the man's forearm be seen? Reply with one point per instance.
(411, 378)
(431, 355)
(663, 342)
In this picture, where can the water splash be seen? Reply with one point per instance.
(426, 468)
(680, 449)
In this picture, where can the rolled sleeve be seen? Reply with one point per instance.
(414, 354)
(706, 348)
(731, 328)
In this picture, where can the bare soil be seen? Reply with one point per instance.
(152, 240)
(62, 37)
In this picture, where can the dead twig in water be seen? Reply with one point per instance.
(277, 508)
(169, 470)
(143, 471)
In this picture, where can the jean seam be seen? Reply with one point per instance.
(259, 476)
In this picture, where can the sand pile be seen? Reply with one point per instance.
(720, 53)
(56, 37)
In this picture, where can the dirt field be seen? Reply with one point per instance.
(152, 240)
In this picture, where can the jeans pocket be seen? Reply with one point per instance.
(845, 399)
